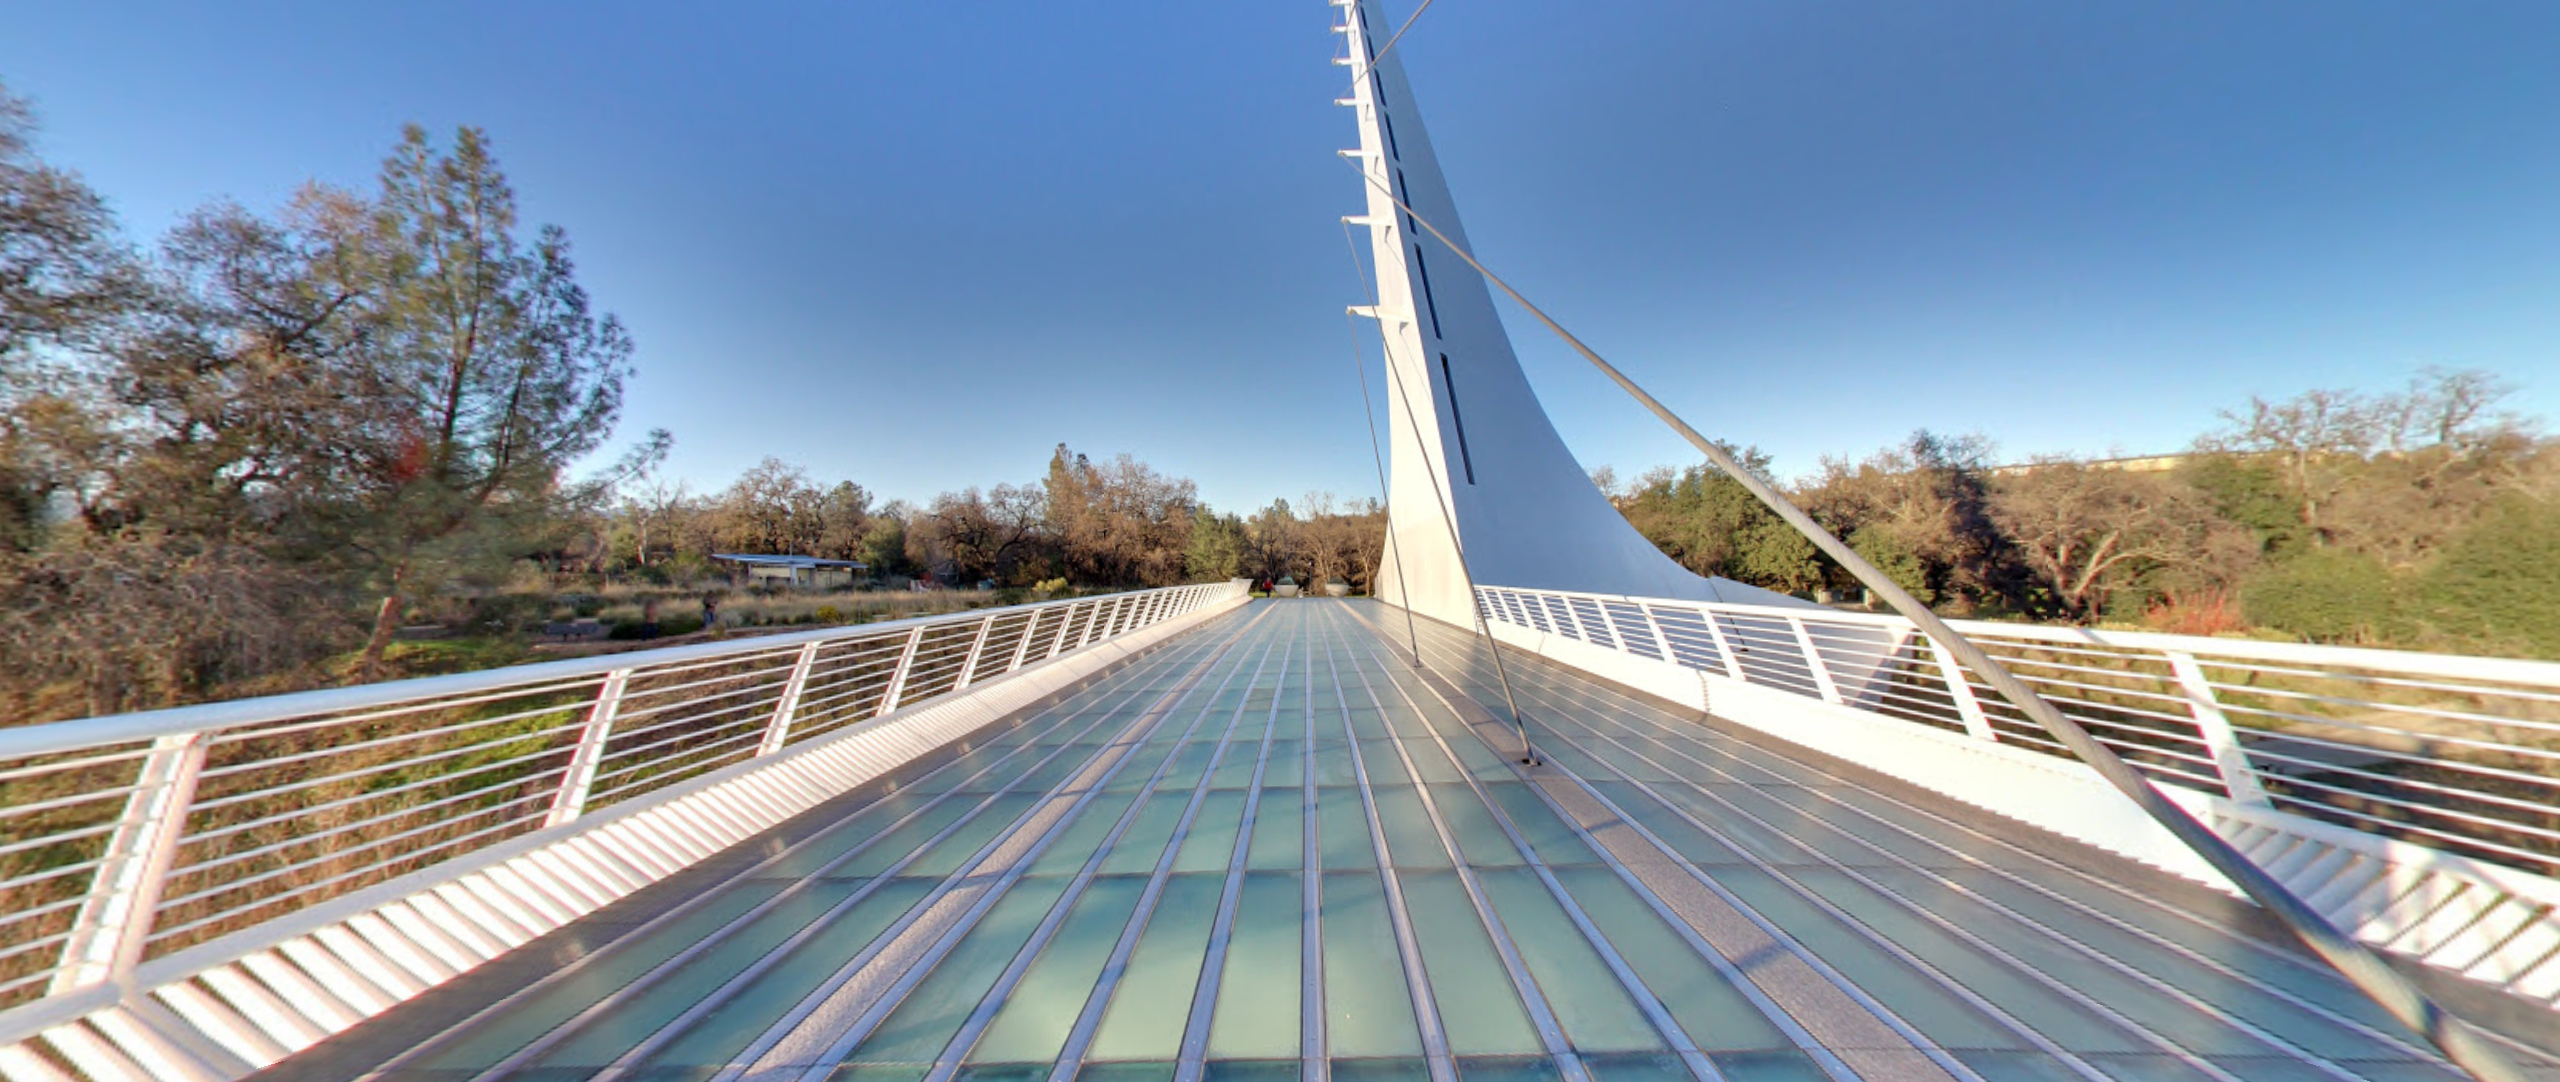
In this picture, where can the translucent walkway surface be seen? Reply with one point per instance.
(1274, 849)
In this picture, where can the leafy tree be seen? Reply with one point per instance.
(1712, 525)
(2249, 492)
(484, 373)
(884, 539)
(1884, 549)
(1932, 495)
(1216, 549)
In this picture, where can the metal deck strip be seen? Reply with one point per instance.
(1763, 872)
(786, 1048)
(949, 1061)
(720, 873)
(1569, 698)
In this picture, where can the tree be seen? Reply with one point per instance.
(967, 536)
(884, 539)
(1118, 523)
(2392, 475)
(65, 282)
(2089, 531)
(63, 273)
(844, 517)
(1711, 525)
(2326, 595)
(1276, 544)
(1930, 495)
(484, 372)
(1216, 549)
(771, 509)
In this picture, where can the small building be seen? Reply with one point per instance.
(805, 572)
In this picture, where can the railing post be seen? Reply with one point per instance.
(778, 730)
(977, 646)
(581, 776)
(1580, 630)
(1661, 641)
(114, 924)
(2229, 760)
(1813, 662)
(1976, 723)
(1067, 616)
(1724, 647)
(1022, 650)
(1103, 611)
(898, 679)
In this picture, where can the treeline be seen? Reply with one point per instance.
(1114, 523)
(268, 439)
(215, 446)
(2424, 518)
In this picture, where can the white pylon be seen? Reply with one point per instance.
(1525, 512)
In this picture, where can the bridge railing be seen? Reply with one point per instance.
(2460, 754)
(129, 837)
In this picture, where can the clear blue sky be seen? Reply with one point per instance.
(916, 245)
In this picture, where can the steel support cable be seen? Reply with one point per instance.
(1528, 751)
(2362, 967)
(1378, 459)
(1386, 500)
(1362, 65)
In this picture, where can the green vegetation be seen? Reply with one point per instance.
(2422, 518)
(241, 459)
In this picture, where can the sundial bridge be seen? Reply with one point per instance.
(1547, 807)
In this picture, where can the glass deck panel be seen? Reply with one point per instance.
(1352, 746)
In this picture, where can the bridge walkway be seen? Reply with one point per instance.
(1273, 849)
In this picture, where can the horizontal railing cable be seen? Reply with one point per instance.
(2394, 991)
(127, 838)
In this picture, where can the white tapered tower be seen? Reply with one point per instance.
(1463, 420)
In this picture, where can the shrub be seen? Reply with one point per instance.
(2210, 613)
(2494, 586)
(2325, 595)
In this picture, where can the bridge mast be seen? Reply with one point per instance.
(1462, 418)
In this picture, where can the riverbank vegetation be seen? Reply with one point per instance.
(2423, 518)
(277, 448)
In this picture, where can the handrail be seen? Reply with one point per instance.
(2420, 748)
(134, 836)
(2412, 662)
(49, 738)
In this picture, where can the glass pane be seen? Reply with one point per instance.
(1154, 996)
(1479, 1008)
(1596, 1011)
(1257, 1013)
(1034, 1022)
(1368, 1010)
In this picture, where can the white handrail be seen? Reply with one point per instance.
(2313, 731)
(139, 834)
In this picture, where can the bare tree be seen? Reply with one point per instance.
(2088, 532)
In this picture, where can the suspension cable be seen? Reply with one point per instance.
(1528, 751)
(1386, 499)
(2465, 1046)
(1359, 71)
